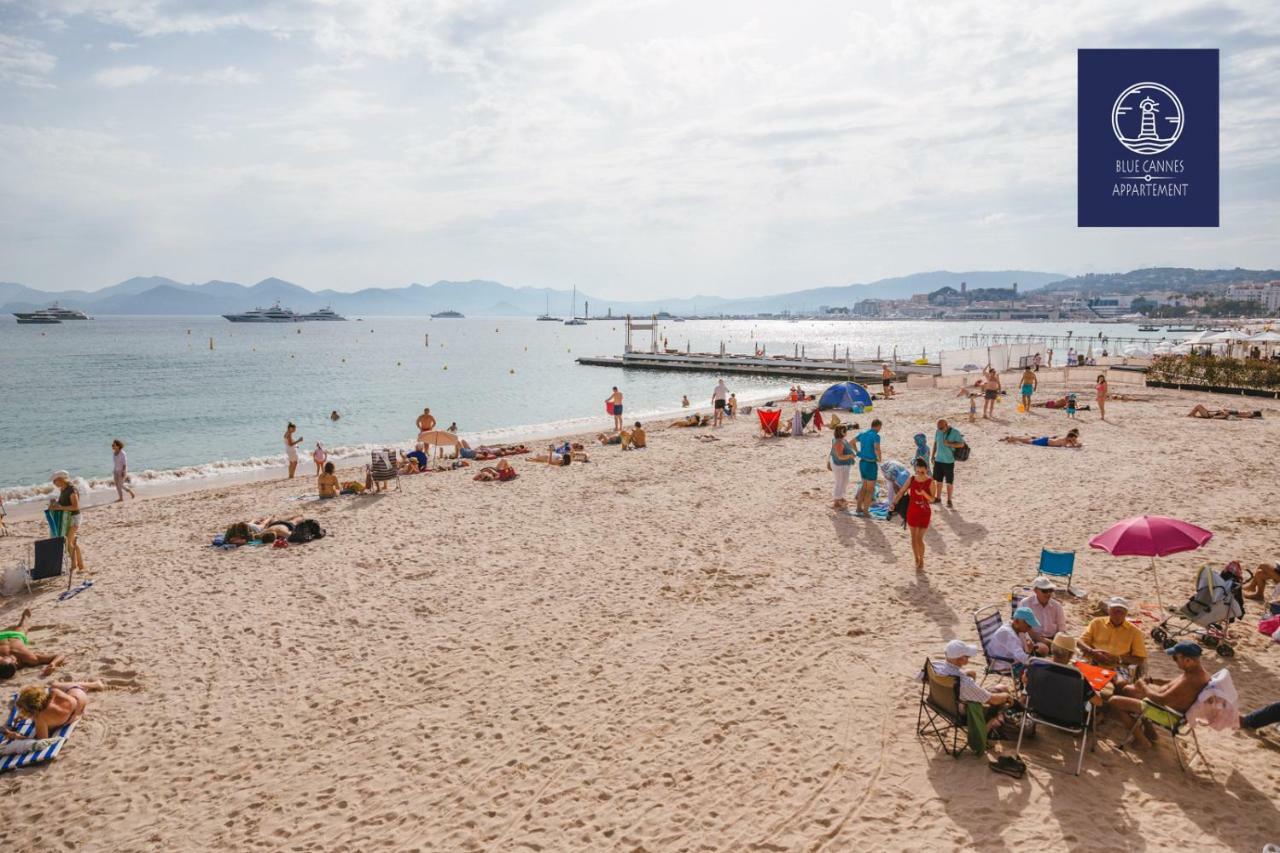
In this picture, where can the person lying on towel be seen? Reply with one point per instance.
(15, 652)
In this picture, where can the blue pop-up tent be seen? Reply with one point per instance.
(845, 395)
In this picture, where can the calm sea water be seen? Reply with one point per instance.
(185, 410)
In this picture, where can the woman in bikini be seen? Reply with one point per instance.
(1102, 396)
(53, 706)
(1072, 440)
(503, 471)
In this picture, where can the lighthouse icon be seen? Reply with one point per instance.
(1147, 118)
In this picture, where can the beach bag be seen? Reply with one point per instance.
(1269, 626)
(961, 453)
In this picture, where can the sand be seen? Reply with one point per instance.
(675, 649)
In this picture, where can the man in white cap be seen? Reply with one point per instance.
(1053, 619)
(1113, 640)
(957, 654)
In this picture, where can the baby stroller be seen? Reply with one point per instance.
(1206, 616)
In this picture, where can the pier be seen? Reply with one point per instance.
(985, 339)
(795, 366)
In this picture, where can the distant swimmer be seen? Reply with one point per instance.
(453, 427)
(291, 447)
(333, 416)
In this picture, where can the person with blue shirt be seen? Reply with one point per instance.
(868, 467)
(945, 441)
(842, 459)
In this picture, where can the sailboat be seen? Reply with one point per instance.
(574, 320)
(546, 315)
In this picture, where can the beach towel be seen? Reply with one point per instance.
(1216, 704)
(42, 751)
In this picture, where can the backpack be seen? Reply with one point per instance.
(961, 453)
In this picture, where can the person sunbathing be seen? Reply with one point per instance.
(502, 471)
(1179, 694)
(693, 420)
(1072, 440)
(636, 439)
(15, 652)
(1059, 403)
(610, 438)
(53, 706)
(1256, 587)
(1200, 411)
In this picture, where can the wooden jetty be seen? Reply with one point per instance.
(796, 366)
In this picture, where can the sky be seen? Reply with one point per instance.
(635, 149)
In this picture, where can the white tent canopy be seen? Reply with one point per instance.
(1265, 338)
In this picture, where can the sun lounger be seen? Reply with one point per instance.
(48, 748)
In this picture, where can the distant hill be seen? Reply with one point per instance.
(158, 295)
(1180, 279)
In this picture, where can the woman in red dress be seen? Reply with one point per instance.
(920, 494)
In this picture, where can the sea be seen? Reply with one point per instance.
(195, 399)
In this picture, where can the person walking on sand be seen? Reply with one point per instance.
(1029, 386)
(1036, 362)
(943, 456)
(120, 470)
(868, 467)
(1102, 390)
(842, 459)
(68, 503)
(919, 494)
(719, 399)
(990, 391)
(614, 404)
(291, 448)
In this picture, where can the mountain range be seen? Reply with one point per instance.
(158, 295)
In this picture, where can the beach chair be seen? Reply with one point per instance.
(988, 621)
(769, 420)
(20, 756)
(941, 713)
(1057, 697)
(383, 467)
(1173, 722)
(1058, 565)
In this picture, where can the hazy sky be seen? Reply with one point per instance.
(632, 148)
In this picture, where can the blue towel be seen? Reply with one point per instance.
(27, 727)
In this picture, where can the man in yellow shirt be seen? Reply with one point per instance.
(1113, 640)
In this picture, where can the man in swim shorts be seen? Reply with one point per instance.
(15, 654)
(868, 467)
(945, 442)
(719, 399)
(614, 402)
(1029, 385)
(990, 391)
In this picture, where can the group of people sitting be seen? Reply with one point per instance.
(1039, 631)
(629, 439)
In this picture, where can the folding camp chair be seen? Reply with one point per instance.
(1058, 565)
(941, 713)
(1171, 721)
(1058, 697)
(988, 621)
(383, 467)
(769, 420)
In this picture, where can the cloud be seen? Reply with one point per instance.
(24, 62)
(125, 75)
(117, 46)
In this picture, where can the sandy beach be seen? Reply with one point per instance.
(679, 649)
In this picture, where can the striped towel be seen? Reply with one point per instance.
(48, 749)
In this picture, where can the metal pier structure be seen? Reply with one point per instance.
(1064, 342)
(796, 366)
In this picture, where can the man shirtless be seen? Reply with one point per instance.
(990, 391)
(1179, 694)
(426, 421)
(14, 653)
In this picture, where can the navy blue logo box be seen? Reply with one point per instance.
(1147, 135)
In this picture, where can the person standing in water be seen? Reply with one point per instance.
(719, 399)
(291, 448)
(920, 494)
(614, 404)
(120, 470)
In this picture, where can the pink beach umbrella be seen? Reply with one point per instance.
(1150, 536)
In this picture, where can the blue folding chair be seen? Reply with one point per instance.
(1059, 565)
